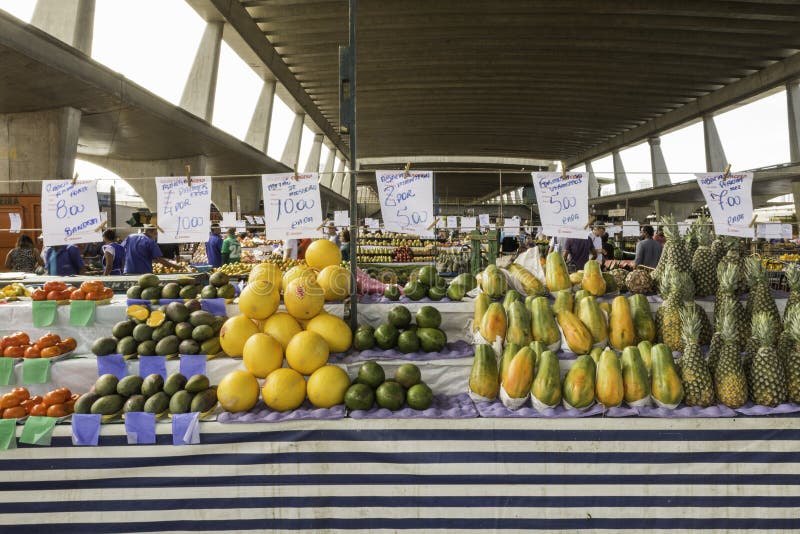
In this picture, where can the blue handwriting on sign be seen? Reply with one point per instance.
(63, 211)
(288, 205)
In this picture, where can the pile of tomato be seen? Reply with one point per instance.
(19, 403)
(95, 290)
(18, 345)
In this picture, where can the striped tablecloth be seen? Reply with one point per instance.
(476, 475)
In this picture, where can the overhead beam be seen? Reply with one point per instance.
(467, 160)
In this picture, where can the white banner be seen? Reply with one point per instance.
(630, 229)
(184, 213)
(228, 219)
(292, 205)
(341, 218)
(406, 201)
(730, 202)
(70, 212)
(563, 202)
(467, 224)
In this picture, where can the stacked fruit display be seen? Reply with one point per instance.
(183, 267)
(398, 332)
(59, 291)
(426, 282)
(18, 345)
(235, 270)
(15, 291)
(371, 387)
(177, 394)
(402, 254)
(18, 403)
(149, 287)
(453, 261)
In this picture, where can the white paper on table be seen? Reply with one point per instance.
(70, 212)
(730, 202)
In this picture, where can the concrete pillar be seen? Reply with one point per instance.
(291, 152)
(338, 177)
(793, 112)
(201, 86)
(37, 145)
(715, 154)
(312, 164)
(796, 193)
(658, 164)
(594, 187)
(620, 178)
(327, 172)
(258, 131)
(71, 21)
(345, 189)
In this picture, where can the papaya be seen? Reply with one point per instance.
(578, 338)
(621, 332)
(519, 324)
(531, 284)
(493, 282)
(643, 323)
(609, 388)
(529, 300)
(579, 294)
(606, 307)
(494, 323)
(667, 387)
(556, 274)
(579, 384)
(483, 378)
(634, 375)
(546, 386)
(508, 354)
(512, 295)
(644, 351)
(543, 323)
(563, 302)
(519, 377)
(575, 278)
(593, 280)
(538, 347)
(482, 302)
(593, 318)
(596, 353)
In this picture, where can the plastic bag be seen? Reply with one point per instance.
(531, 260)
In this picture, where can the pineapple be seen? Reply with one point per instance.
(793, 278)
(668, 321)
(713, 352)
(697, 382)
(703, 264)
(728, 274)
(691, 239)
(718, 249)
(760, 299)
(793, 356)
(766, 373)
(677, 249)
(730, 382)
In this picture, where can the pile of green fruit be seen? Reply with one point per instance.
(426, 282)
(371, 386)
(149, 287)
(176, 328)
(398, 332)
(152, 394)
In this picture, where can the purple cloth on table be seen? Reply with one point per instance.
(193, 364)
(140, 428)
(458, 349)
(85, 429)
(380, 299)
(443, 407)
(497, 409)
(261, 414)
(112, 364)
(215, 306)
(140, 302)
(181, 423)
(756, 409)
(684, 411)
(149, 365)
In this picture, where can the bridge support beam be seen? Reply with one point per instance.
(312, 163)
(715, 154)
(71, 21)
(291, 151)
(201, 86)
(327, 171)
(658, 164)
(258, 131)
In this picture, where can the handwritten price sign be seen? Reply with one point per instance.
(292, 205)
(563, 202)
(730, 202)
(70, 213)
(183, 210)
(406, 201)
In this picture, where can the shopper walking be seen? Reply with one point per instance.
(214, 246)
(24, 257)
(231, 248)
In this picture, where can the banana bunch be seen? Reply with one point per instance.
(16, 290)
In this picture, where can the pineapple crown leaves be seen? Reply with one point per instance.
(793, 275)
(764, 329)
(702, 231)
(728, 327)
(728, 277)
(754, 271)
(793, 324)
(690, 323)
(669, 227)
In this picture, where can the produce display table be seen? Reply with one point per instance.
(456, 316)
(560, 475)
(117, 282)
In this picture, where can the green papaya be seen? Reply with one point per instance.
(609, 388)
(538, 347)
(634, 376)
(543, 322)
(493, 282)
(580, 294)
(546, 388)
(529, 300)
(593, 318)
(643, 323)
(596, 353)
(556, 273)
(482, 302)
(511, 296)
(667, 387)
(564, 302)
(519, 324)
(508, 354)
(483, 378)
(519, 376)
(579, 384)
(645, 348)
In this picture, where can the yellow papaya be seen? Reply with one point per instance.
(494, 323)
(609, 388)
(543, 323)
(546, 386)
(538, 347)
(493, 282)
(621, 333)
(482, 302)
(575, 278)
(593, 280)
(579, 384)
(643, 323)
(564, 302)
(519, 324)
(512, 295)
(606, 307)
(578, 338)
(595, 354)
(505, 362)
(645, 348)
(556, 274)
(579, 294)
(667, 387)
(634, 376)
(520, 373)
(593, 318)
(531, 284)
(483, 379)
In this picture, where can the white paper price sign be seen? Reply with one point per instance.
(452, 221)
(406, 201)
(563, 202)
(786, 231)
(292, 206)
(184, 211)
(730, 202)
(630, 229)
(374, 224)
(228, 219)
(483, 219)
(341, 218)
(511, 227)
(70, 213)
(467, 224)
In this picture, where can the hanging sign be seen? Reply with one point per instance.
(15, 222)
(483, 219)
(467, 224)
(511, 227)
(786, 231)
(563, 202)
(630, 229)
(228, 219)
(341, 218)
(374, 224)
(259, 220)
(292, 205)
(452, 221)
(183, 209)
(730, 202)
(406, 201)
(70, 212)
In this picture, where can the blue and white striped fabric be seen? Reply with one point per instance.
(476, 475)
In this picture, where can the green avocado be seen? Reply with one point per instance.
(386, 336)
(104, 345)
(149, 280)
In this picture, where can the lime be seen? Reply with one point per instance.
(364, 339)
(420, 396)
(386, 336)
(390, 395)
(359, 397)
(407, 375)
(371, 374)
(399, 317)
(436, 293)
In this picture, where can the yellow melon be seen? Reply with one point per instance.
(234, 334)
(262, 354)
(238, 391)
(266, 271)
(333, 330)
(284, 389)
(303, 298)
(296, 272)
(307, 352)
(322, 253)
(335, 282)
(326, 386)
(259, 300)
(282, 327)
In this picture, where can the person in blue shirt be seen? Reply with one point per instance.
(214, 246)
(141, 250)
(113, 254)
(64, 260)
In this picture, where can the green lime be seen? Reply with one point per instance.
(371, 374)
(359, 397)
(419, 396)
(399, 317)
(390, 395)
(407, 375)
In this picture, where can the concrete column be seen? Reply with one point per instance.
(291, 152)
(338, 177)
(796, 193)
(71, 21)
(201, 86)
(258, 131)
(793, 112)
(312, 164)
(658, 164)
(327, 172)
(38, 145)
(715, 154)
(345, 189)
(620, 178)
(594, 187)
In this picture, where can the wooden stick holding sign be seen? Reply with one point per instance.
(323, 224)
(435, 221)
(727, 172)
(188, 175)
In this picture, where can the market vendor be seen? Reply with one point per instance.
(113, 254)
(214, 246)
(141, 250)
(64, 260)
(231, 248)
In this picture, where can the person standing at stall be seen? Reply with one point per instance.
(141, 250)
(345, 244)
(64, 260)
(648, 250)
(24, 257)
(113, 254)
(290, 249)
(214, 246)
(231, 248)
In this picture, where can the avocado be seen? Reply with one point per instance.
(168, 345)
(149, 280)
(180, 402)
(202, 332)
(174, 383)
(126, 346)
(84, 403)
(130, 385)
(152, 384)
(211, 347)
(166, 329)
(188, 292)
(104, 345)
(142, 332)
(123, 329)
(146, 348)
(106, 385)
(219, 320)
(151, 293)
(408, 342)
(176, 311)
(158, 403)
(386, 336)
(197, 383)
(201, 317)
(134, 404)
(208, 292)
(414, 290)
(431, 339)
(226, 292)
(193, 305)
(185, 280)
(428, 317)
(184, 330)
(108, 404)
(134, 292)
(204, 401)
(170, 291)
(189, 346)
(392, 292)
(219, 279)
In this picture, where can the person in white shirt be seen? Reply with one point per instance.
(290, 249)
(596, 236)
(332, 235)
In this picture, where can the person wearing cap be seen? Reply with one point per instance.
(141, 250)
(332, 235)
(231, 248)
(214, 246)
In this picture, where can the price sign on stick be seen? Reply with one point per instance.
(563, 202)
(292, 205)
(630, 229)
(183, 209)
(341, 218)
(70, 213)
(467, 224)
(452, 222)
(406, 201)
(730, 202)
